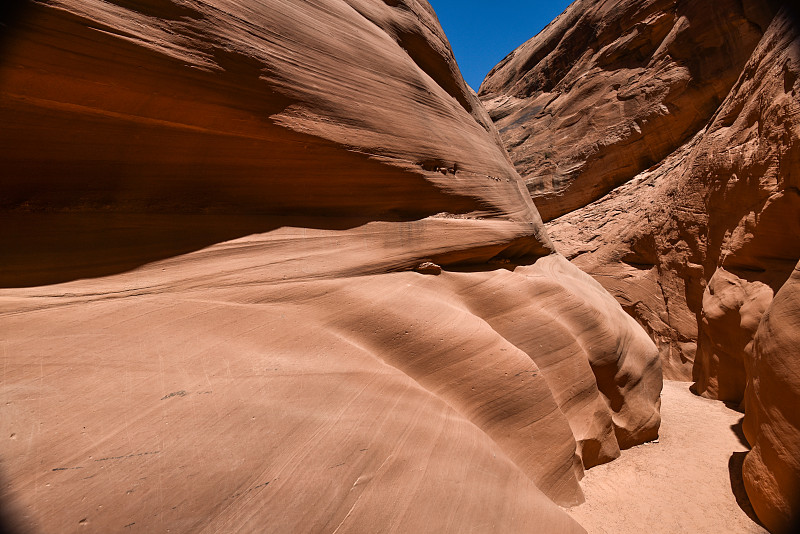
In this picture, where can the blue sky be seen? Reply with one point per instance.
(483, 32)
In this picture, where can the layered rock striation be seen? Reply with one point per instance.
(213, 215)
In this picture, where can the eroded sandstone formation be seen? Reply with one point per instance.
(705, 229)
(771, 470)
(631, 80)
(211, 216)
(667, 241)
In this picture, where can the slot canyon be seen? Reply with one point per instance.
(274, 266)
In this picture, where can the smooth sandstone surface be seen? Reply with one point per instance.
(374, 402)
(772, 423)
(228, 108)
(211, 217)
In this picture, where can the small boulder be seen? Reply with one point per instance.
(428, 267)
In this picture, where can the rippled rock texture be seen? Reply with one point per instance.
(221, 306)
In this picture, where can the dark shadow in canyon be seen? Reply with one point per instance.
(739, 431)
(91, 189)
(49, 248)
(11, 515)
(737, 485)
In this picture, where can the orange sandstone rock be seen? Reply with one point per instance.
(206, 205)
(718, 200)
(611, 88)
(696, 242)
(771, 470)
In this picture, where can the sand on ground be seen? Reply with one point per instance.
(689, 481)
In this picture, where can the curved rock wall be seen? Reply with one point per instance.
(212, 111)
(210, 215)
(771, 470)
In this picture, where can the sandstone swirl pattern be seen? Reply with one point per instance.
(210, 213)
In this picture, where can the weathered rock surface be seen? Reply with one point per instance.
(670, 234)
(611, 87)
(704, 239)
(771, 470)
(204, 206)
(696, 245)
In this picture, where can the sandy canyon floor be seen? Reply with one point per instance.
(689, 481)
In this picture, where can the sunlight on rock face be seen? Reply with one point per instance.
(272, 266)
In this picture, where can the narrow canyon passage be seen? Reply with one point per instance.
(273, 266)
(680, 484)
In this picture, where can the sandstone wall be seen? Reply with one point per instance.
(696, 242)
(210, 215)
(629, 81)
(771, 470)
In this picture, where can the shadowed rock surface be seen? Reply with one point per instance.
(210, 215)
